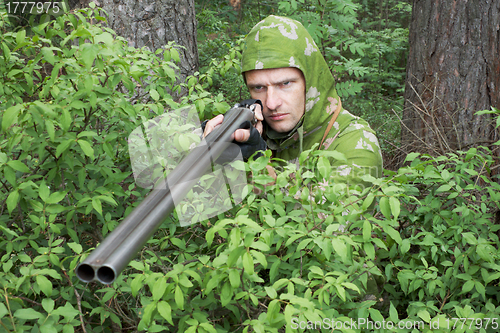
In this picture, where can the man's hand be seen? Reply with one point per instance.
(240, 135)
(248, 139)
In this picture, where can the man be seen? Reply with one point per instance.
(283, 68)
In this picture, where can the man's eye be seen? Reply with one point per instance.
(287, 83)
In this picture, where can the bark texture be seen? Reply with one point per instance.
(453, 71)
(153, 23)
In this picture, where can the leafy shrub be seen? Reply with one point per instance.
(419, 245)
(220, 70)
(70, 94)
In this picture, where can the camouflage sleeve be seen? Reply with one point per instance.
(360, 146)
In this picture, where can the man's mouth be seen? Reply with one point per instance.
(277, 116)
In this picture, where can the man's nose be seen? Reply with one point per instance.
(273, 100)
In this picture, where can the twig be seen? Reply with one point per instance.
(78, 301)
(444, 300)
(27, 300)
(480, 172)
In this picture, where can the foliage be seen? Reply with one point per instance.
(419, 245)
(222, 74)
(495, 111)
(70, 93)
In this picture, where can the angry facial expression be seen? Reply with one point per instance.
(282, 92)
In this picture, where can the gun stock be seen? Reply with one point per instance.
(108, 260)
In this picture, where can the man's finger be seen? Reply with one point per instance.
(259, 117)
(241, 135)
(212, 124)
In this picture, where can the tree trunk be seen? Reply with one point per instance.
(453, 71)
(153, 23)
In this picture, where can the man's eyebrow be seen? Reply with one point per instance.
(288, 79)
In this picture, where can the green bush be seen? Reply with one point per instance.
(418, 246)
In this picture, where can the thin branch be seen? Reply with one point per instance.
(78, 301)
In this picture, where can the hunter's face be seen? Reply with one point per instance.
(282, 92)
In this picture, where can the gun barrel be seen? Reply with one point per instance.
(108, 260)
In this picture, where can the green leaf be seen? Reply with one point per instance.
(271, 292)
(48, 55)
(55, 197)
(376, 315)
(3, 310)
(12, 200)
(55, 209)
(368, 201)
(87, 134)
(3, 158)
(159, 288)
(367, 231)
(154, 94)
(44, 284)
(165, 311)
(88, 54)
(207, 327)
(89, 84)
(27, 314)
(18, 165)
(20, 36)
(65, 120)
(67, 311)
(148, 312)
(235, 255)
(324, 167)
(467, 286)
(340, 292)
(104, 37)
(108, 199)
(340, 248)
(273, 309)
(49, 125)
(184, 281)
(480, 289)
(405, 246)
(225, 294)
(393, 233)
(393, 314)
(87, 148)
(175, 55)
(179, 297)
(43, 191)
(395, 207)
(248, 263)
(411, 156)
(234, 278)
(469, 238)
(48, 328)
(289, 312)
(443, 188)
(385, 207)
(136, 284)
(63, 146)
(96, 203)
(369, 250)
(424, 314)
(316, 270)
(48, 305)
(77, 248)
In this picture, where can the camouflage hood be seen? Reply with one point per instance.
(278, 42)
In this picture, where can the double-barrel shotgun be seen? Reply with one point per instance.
(108, 260)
